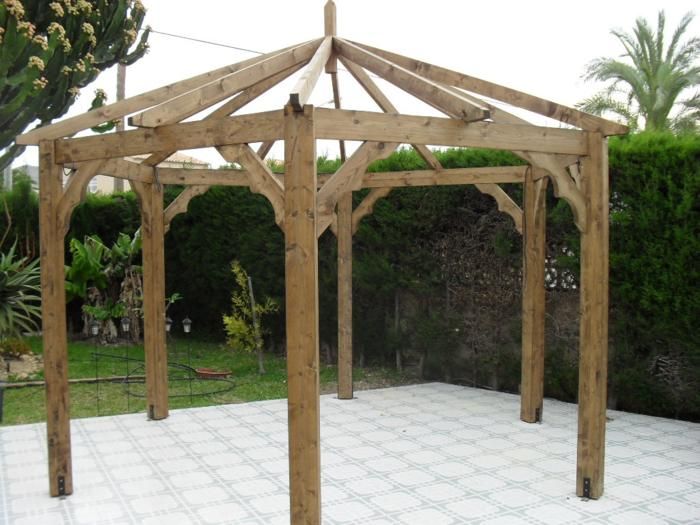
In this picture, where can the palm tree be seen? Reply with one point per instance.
(649, 88)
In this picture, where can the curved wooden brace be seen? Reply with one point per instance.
(564, 186)
(366, 207)
(504, 202)
(260, 179)
(181, 203)
(75, 191)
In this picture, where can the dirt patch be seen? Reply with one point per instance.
(374, 379)
(22, 368)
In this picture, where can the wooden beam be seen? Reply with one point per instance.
(53, 319)
(260, 179)
(239, 101)
(130, 105)
(554, 164)
(301, 277)
(534, 254)
(445, 177)
(510, 96)
(174, 137)
(347, 178)
(248, 95)
(301, 92)
(156, 356)
(180, 204)
(265, 148)
(385, 105)
(74, 192)
(429, 92)
(593, 349)
(366, 207)
(199, 177)
(344, 235)
(201, 98)
(378, 127)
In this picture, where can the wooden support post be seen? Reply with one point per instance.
(534, 251)
(593, 346)
(156, 356)
(345, 390)
(301, 277)
(53, 315)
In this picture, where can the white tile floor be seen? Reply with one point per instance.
(429, 454)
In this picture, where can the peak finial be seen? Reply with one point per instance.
(329, 18)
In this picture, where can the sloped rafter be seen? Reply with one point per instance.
(239, 101)
(426, 90)
(197, 100)
(95, 117)
(510, 96)
(385, 105)
(563, 184)
(305, 85)
(455, 109)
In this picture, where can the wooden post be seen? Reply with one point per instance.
(156, 356)
(534, 251)
(593, 346)
(345, 390)
(53, 321)
(301, 277)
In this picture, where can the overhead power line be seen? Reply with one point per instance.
(201, 41)
(229, 46)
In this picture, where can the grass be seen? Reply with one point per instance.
(85, 360)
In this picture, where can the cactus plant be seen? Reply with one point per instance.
(51, 49)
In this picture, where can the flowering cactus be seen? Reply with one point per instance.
(51, 49)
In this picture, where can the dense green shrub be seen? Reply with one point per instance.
(446, 249)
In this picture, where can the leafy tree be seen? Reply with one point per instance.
(108, 282)
(20, 297)
(243, 326)
(51, 49)
(649, 84)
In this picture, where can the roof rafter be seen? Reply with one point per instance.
(424, 89)
(203, 97)
(305, 85)
(72, 125)
(510, 96)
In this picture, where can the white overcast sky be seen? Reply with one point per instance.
(540, 47)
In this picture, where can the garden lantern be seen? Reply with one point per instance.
(187, 325)
(94, 328)
(168, 324)
(126, 324)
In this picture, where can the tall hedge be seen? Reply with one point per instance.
(412, 249)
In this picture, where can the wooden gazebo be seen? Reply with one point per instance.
(572, 155)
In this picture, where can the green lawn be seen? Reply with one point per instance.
(26, 405)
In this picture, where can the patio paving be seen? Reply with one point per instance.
(431, 454)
